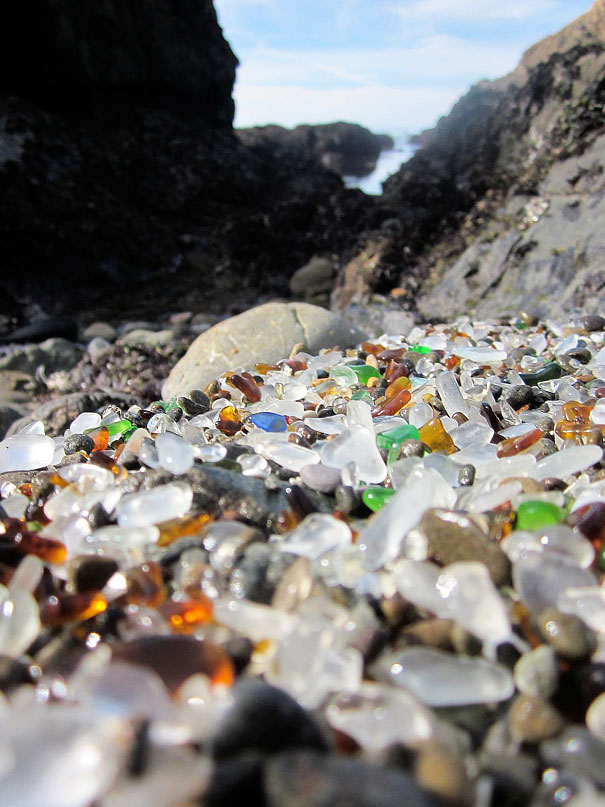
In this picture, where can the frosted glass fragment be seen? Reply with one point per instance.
(257, 622)
(569, 461)
(85, 421)
(556, 540)
(77, 756)
(383, 538)
(288, 455)
(438, 678)
(356, 444)
(26, 452)
(335, 424)
(587, 603)
(449, 391)
(174, 454)
(540, 579)
(317, 534)
(378, 716)
(155, 505)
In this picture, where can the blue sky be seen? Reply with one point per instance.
(392, 65)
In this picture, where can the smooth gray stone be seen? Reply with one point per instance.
(266, 333)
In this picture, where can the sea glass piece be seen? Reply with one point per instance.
(311, 663)
(462, 591)
(155, 505)
(364, 372)
(434, 435)
(174, 454)
(482, 355)
(393, 438)
(229, 421)
(78, 756)
(175, 658)
(569, 461)
(85, 421)
(438, 678)
(383, 538)
(451, 396)
(357, 445)
(393, 405)
(556, 540)
(257, 622)
(540, 580)
(335, 424)
(26, 452)
(378, 716)
(548, 373)
(536, 514)
(289, 455)
(317, 534)
(246, 384)
(100, 437)
(376, 497)
(514, 445)
(587, 603)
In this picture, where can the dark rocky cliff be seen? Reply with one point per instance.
(503, 205)
(125, 190)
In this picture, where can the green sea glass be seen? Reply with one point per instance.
(535, 514)
(376, 497)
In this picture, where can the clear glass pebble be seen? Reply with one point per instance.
(377, 716)
(438, 678)
(587, 603)
(556, 540)
(540, 579)
(153, 506)
(174, 454)
(315, 535)
(290, 456)
(26, 452)
(358, 445)
(383, 539)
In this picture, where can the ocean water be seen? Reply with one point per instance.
(388, 163)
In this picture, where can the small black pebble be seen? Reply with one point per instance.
(78, 442)
(200, 397)
(92, 573)
(466, 475)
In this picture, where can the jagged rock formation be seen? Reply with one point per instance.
(503, 206)
(125, 190)
(346, 148)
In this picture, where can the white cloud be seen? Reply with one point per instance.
(440, 58)
(381, 108)
(473, 10)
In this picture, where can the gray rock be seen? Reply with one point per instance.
(53, 354)
(313, 280)
(14, 386)
(304, 778)
(143, 336)
(452, 536)
(99, 329)
(265, 333)
(547, 254)
(8, 415)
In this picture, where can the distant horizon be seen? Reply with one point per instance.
(393, 66)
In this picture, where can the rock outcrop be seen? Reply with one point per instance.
(503, 205)
(125, 190)
(345, 148)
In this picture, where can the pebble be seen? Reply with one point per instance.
(278, 572)
(452, 536)
(532, 719)
(536, 672)
(566, 633)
